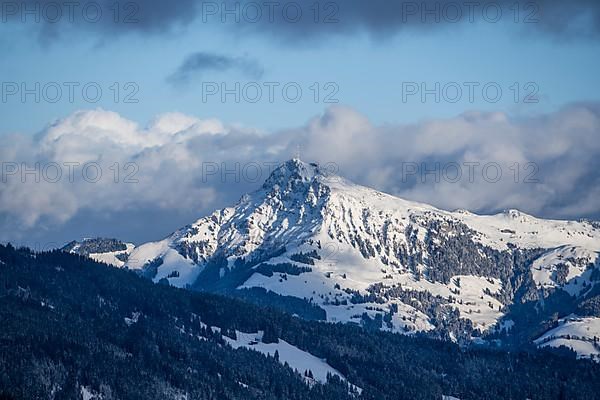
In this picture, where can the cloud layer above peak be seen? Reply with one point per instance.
(140, 182)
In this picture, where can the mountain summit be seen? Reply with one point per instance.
(293, 171)
(308, 239)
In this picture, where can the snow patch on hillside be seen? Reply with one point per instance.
(146, 253)
(114, 258)
(567, 267)
(296, 358)
(89, 394)
(177, 269)
(582, 334)
(135, 316)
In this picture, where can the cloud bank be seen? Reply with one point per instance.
(301, 20)
(178, 167)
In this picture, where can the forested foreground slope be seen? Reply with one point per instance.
(72, 327)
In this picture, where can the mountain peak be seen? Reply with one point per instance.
(293, 171)
(354, 252)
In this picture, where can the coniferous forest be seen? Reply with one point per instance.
(67, 323)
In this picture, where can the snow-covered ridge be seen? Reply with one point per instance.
(299, 201)
(361, 254)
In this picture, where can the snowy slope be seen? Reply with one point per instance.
(513, 226)
(569, 267)
(295, 357)
(360, 254)
(108, 251)
(582, 335)
(111, 257)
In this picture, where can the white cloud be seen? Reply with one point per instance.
(171, 161)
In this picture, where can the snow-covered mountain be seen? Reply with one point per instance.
(374, 259)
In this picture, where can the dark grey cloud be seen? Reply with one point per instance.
(319, 18)
(198, 63)
(381, 18)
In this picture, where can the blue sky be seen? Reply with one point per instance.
(369, 71)
(365, 63)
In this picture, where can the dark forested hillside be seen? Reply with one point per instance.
(69, 325)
